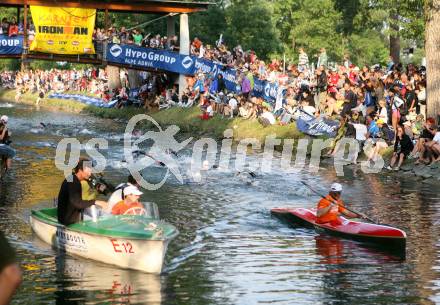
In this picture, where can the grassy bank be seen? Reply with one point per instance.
(186, 118)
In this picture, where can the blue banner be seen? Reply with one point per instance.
(11, 45)
(187, 65)
(264, 89)
(313, 126)
(89, 100)
(210, 67)
(150, 58)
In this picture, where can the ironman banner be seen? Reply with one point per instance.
(61, 30)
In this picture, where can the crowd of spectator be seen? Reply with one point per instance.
(376, 103)
(10, 27)
(385, 105)
(92, 81)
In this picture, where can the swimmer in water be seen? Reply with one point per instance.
(171, 152)
(248, 177)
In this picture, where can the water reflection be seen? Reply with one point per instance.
(82, 281)
(107, 283)
(330, 249)
(229, 251)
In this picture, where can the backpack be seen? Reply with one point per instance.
(404, 109)
(387, 133)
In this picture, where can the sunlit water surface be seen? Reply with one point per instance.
(230, 249)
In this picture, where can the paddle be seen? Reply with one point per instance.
(334, 202)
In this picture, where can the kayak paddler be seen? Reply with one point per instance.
(330, 207)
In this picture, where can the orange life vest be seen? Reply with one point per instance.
(121, 207)
(333, 213)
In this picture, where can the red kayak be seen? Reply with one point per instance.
(385, 236)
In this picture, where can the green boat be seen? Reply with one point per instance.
(128, 241)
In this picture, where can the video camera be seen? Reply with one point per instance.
(100, 185)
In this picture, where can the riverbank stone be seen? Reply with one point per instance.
(407, 167)
(435, 165)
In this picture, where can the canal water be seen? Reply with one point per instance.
(230, 250)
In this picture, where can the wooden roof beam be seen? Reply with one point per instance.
(145, 7)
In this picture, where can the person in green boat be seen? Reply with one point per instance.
(118, 194)
(130, 204)
(70, 202)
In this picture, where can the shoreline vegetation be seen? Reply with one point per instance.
(189, 121)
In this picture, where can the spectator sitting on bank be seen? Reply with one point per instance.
(402, 148)
(209, 112)
(433, 147)
(376, 136)
(232, 108)
(307, 108)
(332, 106)
(383, 112)
(417, 126)
(287, 115)
(267, 118)
(426, 136)
(244, 109)
(361, 132)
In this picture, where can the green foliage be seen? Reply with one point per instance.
(208, 26)
(271, 28)
(409, 17)
(9, 64)
(284, 14)
(154, 23)
(251, 24)
(368, 48)
(315, 26)
(349, 10)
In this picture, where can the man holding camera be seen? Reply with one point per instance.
(70, 202)
(5, 140)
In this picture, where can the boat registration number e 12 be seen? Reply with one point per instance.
(122, 247)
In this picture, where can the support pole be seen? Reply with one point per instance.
(171, 31)
(18, 15)
(25, 38)
(25, 26)
(184, 48)
(106, 23)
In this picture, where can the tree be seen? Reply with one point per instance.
(349, 9)
(284, 13)
(367, 48)
(403, 20)
(208, 26)
(432, 47)
(315, 25)
(251, 24)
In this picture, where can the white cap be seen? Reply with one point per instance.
(336, 187)
(132, 190)
(4, 118)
